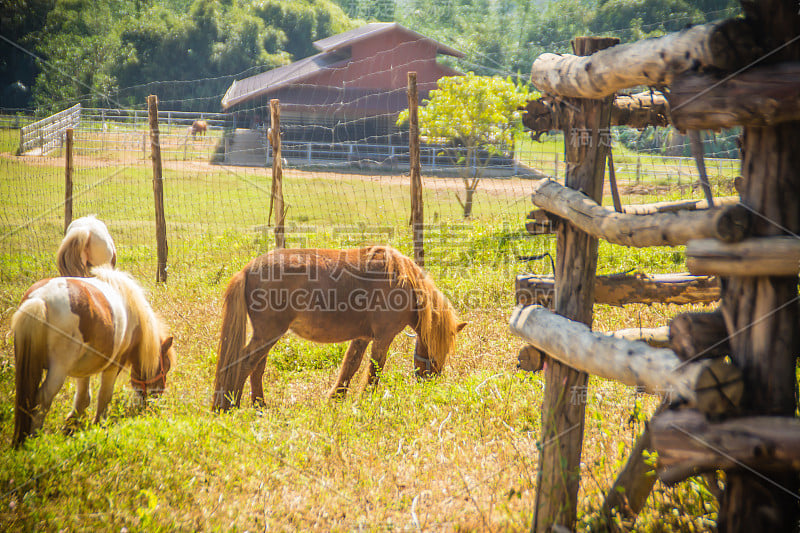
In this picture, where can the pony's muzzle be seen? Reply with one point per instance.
(424, 368)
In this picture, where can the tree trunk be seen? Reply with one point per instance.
(468, 202)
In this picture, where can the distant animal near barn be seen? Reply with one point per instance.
(198, 126)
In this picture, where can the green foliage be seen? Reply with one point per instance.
(478, 112)
(92, 48)
(303, 22)
(667, 141)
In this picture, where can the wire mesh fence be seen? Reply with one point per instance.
(346, 183)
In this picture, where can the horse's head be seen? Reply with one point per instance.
(427, 364)
(155, 385)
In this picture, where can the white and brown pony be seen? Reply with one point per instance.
(361, 295)
(86, 244)
(79, 327)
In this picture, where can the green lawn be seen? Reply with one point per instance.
(458, 452)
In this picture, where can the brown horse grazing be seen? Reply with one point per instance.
(79, 327)
(361, 295)
(198, 126)
(86, 244)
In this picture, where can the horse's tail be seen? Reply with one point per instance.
(231, 341)
(70, 262)
(30, 344)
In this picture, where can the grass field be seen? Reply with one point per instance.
(455, 453)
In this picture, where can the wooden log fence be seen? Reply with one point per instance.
(726, 45)
(638, 110)
(622, 289)
(417, 219)
(766, 256)
(576, 261)
(68, 168)
(688, 444)
(711, 385)
(759, 97)
(755, 328)
(696, 335)
(542, 223)
(276, 195)
(158, 190)
(729, 223)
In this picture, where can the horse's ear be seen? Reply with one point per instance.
(166, 344)
(460, 326)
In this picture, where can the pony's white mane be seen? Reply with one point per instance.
(134, 297)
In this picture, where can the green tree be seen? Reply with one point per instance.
(76, 52)
(479, 113)
(302, 22)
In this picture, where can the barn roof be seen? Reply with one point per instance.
(333, 52)
(242, 90)
(343, 40)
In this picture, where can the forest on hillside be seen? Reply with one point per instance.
(112, 53)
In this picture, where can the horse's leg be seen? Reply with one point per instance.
(107, 380)
(82, 399)
(259, 349)
(380, 347)
(44, 397)
(350, 364)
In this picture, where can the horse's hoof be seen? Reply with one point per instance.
(259, 404)
(71, 426)
(337, 394)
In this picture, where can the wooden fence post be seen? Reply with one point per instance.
(277, 172)
(761, 312)
(563, 408)
(415, 173)
(68, 180)
(158, 189)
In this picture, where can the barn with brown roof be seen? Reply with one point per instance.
(350, 92)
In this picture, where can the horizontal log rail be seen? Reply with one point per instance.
(725, 45)
(688, 444)
(539, 223)
(653, 337)
(633, 110)
(728, 223)
(762, 96)
(765, 256)
(677, 205)
(714, 386)
(622, 289)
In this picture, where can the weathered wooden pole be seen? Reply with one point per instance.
(563, 407)
(158, 190)
(415, 173)
(277, 171)
(612, 183)
(761, 312)
(68, 180)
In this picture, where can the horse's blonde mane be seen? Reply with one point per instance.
(152, 328)
(437, 324)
